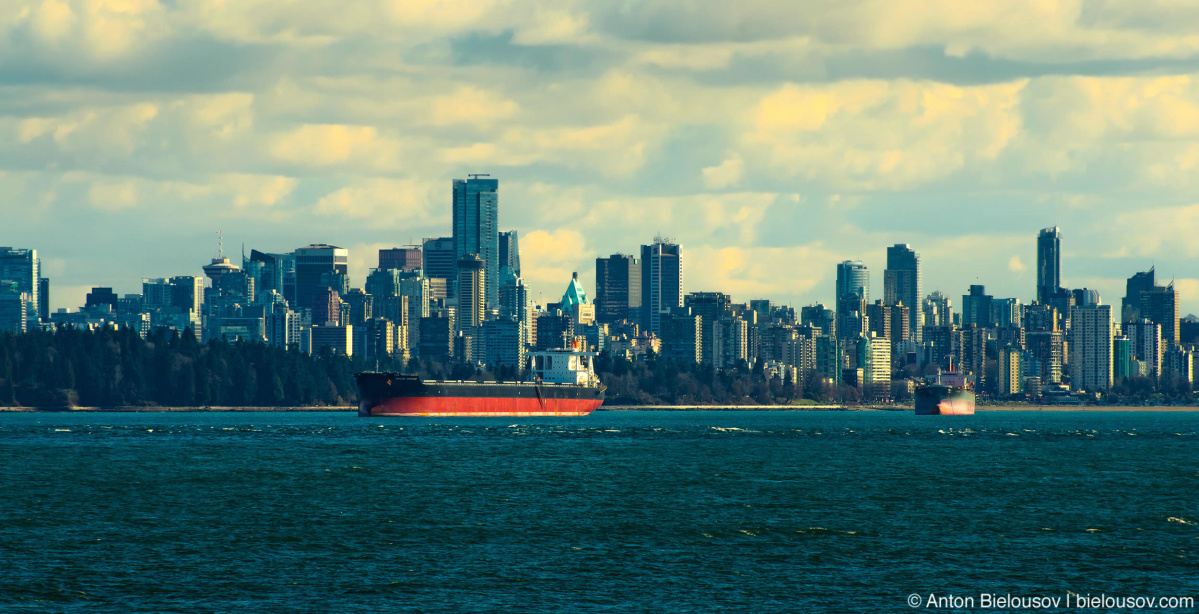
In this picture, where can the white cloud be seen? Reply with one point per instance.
(113, 196)
(725, 174)
(547, 259)
(385, 202)
(1016, 266)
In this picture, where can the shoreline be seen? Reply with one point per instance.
(619, 408)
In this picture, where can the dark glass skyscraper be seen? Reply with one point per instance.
(23, 267)
(1130, 307)
(661, 282)
(311, 263)
(1049, 264)
(617, 289)
(853, 294)
(476, 228)
(510, 251)
(901, 284)
(853, 278)
(440, 262)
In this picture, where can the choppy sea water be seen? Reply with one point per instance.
(615, 512)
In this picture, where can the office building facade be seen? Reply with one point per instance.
(617, 289)
(476, 228)
(902, 285)
(1049, 264)
(661, 282)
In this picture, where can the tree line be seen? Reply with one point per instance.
(117, 368)
(113, 368)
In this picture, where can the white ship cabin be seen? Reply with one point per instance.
(563, 367)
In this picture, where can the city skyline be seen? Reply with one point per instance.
(773, 143)
(586, 276)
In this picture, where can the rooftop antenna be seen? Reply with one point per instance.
(220, 244)
(477, 175)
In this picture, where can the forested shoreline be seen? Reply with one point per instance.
(117, 368)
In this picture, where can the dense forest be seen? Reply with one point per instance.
(116, 368)
(109, 368)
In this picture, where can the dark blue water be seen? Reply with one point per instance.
(615, 512)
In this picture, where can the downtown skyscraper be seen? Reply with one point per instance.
(901, 285)
(617, 289)
(1049, 264)
(853, 294)
(22, 267)
(661, 281)
(476, 228)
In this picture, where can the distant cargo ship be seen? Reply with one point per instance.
(949, 396)
(560, 383)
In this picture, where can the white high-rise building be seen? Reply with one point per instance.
(1145, 344)
(1091, 347)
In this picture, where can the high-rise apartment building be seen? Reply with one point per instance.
(617, 289)
(311, 263)
(902, 284)
(510, 251)
(472, 285)
(1045, 353)
(1049, 263)
(515, 303)
(441, 262)
(23, 267)
(878, 316)
(1011, 372)
(476, 228)
(938, 309)
(661, 281)
(1145, 344)
(1090, 347)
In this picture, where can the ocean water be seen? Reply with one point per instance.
(614, 512)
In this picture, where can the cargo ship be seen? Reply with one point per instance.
(560, 383)
(950, 395)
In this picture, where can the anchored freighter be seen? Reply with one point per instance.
(949, 396)
(560, 383)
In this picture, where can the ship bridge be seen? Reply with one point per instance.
(563, 367)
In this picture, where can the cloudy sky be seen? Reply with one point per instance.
(772, 138)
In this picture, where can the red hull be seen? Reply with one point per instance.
(483, 406)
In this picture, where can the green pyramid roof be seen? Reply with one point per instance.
(575, 295)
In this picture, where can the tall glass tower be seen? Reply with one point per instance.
(476, 228)
(853, 294)
(853, 278)
(23, 267)
(901, 284)
(1049, 264)
(510, 251)
(661, 281)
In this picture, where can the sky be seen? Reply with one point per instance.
(771, 138)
